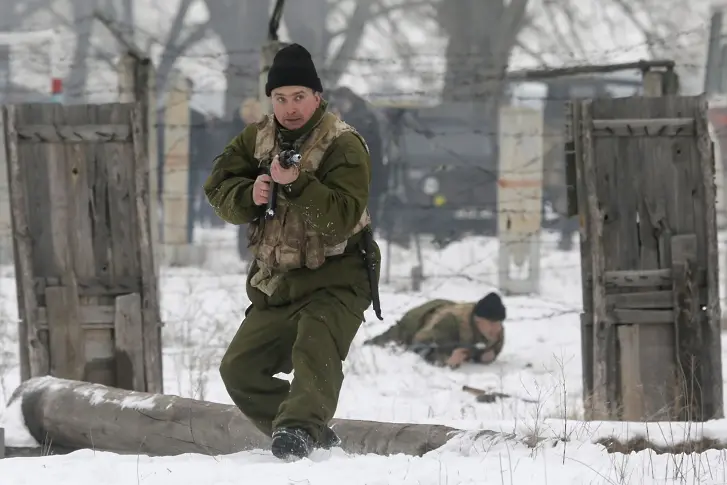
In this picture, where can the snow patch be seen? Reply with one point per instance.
(98, 395)
(16, 433)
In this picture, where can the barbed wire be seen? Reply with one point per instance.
(245, 71)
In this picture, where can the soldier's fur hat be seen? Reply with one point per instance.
(491, 308)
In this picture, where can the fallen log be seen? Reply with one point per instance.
(80, 415)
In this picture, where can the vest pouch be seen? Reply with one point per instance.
(254, 233)
(289, 252)
(314, 251)
(269, 236)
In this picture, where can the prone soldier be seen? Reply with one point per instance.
(450, 333)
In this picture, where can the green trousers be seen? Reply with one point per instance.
(311, 338)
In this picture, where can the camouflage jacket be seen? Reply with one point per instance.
(328, 202)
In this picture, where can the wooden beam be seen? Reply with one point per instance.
(644, 127)
(637, 278)
(38, 357)
(88, 287)
(624, 316)
(73, 134)
(603, 336)
(150, 303)
(713, 398)
(89, 316)
(641, 300)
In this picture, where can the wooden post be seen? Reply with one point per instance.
(179, 249)
(6, 230)
(520, 189)
(149, 278)
(712, 387)
(2, 443)
(32, 348)
(579, 205)
(137, 83)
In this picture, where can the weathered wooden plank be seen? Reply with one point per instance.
(38, 357)
(65, 333)
(129, 343)
(587, 362)
(37, 175)
(644, 127)
(687, 324)
(632, 389)
(625, 316)
(602, 351)
(119, 168)
(658, 371)
(96, 286)
(573, 132)
(73, 134)
(638, 278)
(713, 396)
(98, 315)
(641, 300)
(150, 303)
(99, 207)
(6, 230)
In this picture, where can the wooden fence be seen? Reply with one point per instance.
(84, 264)
(650, 267)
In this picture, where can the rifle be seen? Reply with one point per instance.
(427, 349)
(287, 159)
(489, 397)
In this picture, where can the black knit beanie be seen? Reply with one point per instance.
(491, 308)
(293, 66)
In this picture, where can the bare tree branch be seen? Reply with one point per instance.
(537, 56)
(356, 25)
(628, 10)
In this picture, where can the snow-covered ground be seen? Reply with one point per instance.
(540, 366)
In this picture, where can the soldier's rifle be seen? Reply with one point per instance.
(427, 349)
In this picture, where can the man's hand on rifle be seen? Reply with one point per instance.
(261, 189)
(283, 176)
(487, 357)
(457, 357)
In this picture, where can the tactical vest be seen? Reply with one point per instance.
(288, 241)
(461, 311)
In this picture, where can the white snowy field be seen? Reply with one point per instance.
(540, 367)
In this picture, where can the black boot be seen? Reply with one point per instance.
(329, 439)
(291, 442)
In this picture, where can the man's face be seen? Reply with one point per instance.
(491, 330)
(294, 105)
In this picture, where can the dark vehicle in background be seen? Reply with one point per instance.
(442, 173)
(443, 162)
